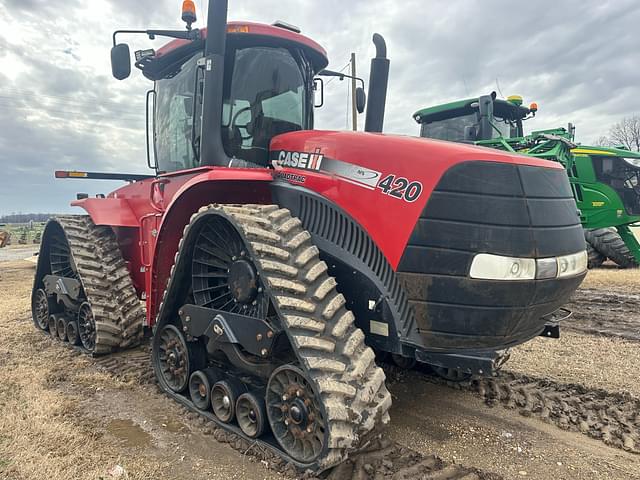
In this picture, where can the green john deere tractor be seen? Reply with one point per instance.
(605, 181)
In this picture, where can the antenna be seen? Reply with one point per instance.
(498, 87)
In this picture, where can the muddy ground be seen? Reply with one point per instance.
(563, 409)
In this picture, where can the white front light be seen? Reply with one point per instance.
(496, 267)
(486, 266)
(571, 265)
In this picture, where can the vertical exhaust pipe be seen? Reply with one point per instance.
(211, 148)
(378, 82)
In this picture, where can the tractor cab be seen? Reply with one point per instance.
(475, 119)
(255, 108)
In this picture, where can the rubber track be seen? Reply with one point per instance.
(613, 418)
(322, 332)
(119, 314)
(609, 243)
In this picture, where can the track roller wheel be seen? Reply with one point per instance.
(41, 309)
(73, 336)
(251, 415)
(87, 327)
(62, 328)
(173, 358)
(200, 389)
(52, 326)
(224, 395)
(294, 414)
(403, 362)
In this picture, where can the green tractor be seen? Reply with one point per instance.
(605, 181)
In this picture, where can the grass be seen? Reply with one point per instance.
(612, 277)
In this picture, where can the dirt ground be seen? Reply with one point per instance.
(564, 409)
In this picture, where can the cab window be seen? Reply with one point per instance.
(173, 120)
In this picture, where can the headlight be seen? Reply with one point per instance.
(486, 266)
(571, 265)
(634, 162)
(497, 267)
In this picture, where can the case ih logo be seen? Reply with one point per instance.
(305, 160)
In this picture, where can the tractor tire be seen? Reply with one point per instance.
(333, 369)
(75, 247)
(596, 259)
(609, 243)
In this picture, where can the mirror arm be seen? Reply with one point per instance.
(342, 76)
(152, 34)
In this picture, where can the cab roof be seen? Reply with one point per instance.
(503, 108)
(316, 54)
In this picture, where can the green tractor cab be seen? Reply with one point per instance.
(605, 181)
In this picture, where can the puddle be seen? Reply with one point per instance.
(129, 433)
(174, 426)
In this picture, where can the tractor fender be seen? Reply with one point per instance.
(223, 185)
(114, 212)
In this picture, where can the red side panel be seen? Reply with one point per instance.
(382, 181)
(109, 211)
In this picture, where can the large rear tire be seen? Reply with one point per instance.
(596, 259)
(609, 243)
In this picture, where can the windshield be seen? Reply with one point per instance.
(174, 120)
(258, 107)
(451, 129)
(505, 128)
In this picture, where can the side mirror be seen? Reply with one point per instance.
(361, 99)
(318, 90)
(121, 61)
(470, 133)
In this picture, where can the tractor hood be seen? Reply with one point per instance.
(380, 173)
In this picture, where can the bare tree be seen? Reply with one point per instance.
(603, 141)
(627, 133)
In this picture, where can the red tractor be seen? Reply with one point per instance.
(274, 260)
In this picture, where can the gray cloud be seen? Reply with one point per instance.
(60, 108)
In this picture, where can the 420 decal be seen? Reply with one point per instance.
(400, 187)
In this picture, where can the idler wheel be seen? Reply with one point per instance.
(295, 417)
(173, 358)
(41, 309)
(87, 327)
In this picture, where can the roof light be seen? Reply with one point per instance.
(286, 26)
(515, 100)
(238, 29)
(533, 107)
(189, 13)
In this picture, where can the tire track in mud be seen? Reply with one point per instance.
(379, 459)
(613, 418)
(612, 314)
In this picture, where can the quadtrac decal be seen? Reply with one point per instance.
(290, 177)
(400, 188)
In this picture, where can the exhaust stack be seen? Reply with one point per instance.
(378, 82)
(212, 150)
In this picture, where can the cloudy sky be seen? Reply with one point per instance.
(61, 109)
